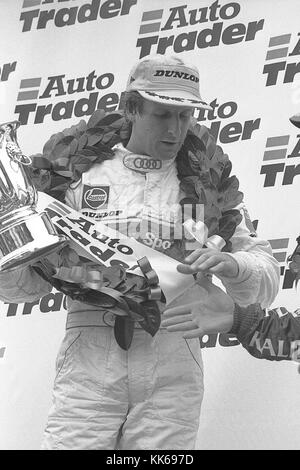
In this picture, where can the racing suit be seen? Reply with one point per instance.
(148, 397)
(268, 334)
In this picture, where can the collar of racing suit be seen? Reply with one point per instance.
(143, 163)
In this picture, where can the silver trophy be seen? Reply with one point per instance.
(25, 235)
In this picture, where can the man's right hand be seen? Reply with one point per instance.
(213, 313)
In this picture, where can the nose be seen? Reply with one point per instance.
(173, 125)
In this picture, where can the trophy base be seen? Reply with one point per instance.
(28, 241)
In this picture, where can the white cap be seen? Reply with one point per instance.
(167, 79)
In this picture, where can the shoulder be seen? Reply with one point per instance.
(109, 170)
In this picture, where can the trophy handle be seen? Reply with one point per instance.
(12, 148)
(9, 130)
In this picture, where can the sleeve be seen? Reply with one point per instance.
(268, 334)
(259, 272)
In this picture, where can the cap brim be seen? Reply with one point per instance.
(175, 97)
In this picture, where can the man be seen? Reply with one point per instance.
(272, 334)
(105, 397)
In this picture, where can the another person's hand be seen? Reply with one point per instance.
(210, 261)
(211, 314)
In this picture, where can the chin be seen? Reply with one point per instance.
(168, 154)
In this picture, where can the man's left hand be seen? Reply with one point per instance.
(210, 261)
(210, 314)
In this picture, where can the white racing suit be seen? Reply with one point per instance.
(148, 397)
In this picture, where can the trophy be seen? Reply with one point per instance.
(25, 235)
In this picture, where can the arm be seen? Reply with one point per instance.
(259, 272)
(249, 273)
(268, 334)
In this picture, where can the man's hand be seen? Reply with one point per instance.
(210, 261)
(213, 313)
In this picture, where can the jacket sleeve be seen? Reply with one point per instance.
(268, 334)
(22, 285)
(259, 272)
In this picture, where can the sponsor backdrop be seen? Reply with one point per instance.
(62, 59)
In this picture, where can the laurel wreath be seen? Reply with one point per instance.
(205, 177)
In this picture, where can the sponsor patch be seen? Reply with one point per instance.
(141, 164)
(95, 197)
(147, 164)
(180, 76)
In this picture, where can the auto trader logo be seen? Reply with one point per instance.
(60, 97)
(151, 21)
(6, 70)
(37, 14)
(163, 31)
(280, 252)
(275, 156)
(279, 248)
(277, 69)
(29, 89)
